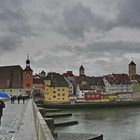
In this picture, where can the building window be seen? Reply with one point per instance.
(62, 98)
(62, 89)
(58, 89)
(63, 94)
(58, 94)
(10, 90)
(49, 98)
(54, 92)
(54, 96)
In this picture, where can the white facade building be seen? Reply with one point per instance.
(117, 83)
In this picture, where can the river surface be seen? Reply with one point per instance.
(122, 123)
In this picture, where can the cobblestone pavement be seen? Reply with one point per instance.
(11, 119)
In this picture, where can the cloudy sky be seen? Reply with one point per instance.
(60, 35)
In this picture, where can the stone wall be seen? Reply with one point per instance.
(42, 130)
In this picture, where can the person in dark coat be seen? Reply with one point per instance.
(19, 98)
(2, 105)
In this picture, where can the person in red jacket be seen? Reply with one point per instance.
(2, 105)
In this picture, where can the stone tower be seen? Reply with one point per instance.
(81, 71)
(27, 77)
(132, 70)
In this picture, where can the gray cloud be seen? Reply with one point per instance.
(129, 15)
(13, 25)
(79, 20)
(60, 34)
(102, 49)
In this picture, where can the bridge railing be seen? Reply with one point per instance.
(42, 130)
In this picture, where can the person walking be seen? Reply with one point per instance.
(23, 99)
(19, 98)
(2, 105)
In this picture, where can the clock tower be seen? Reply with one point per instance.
(27, 77)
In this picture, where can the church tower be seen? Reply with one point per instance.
(27, 77)
(132, 70)
(81, 71)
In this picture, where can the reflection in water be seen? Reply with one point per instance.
(122, 123)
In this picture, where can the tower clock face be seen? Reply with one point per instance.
(27, 76)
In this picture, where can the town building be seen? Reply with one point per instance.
(38, 86)
(117, 83)
(56, 88)
(11, 79)
(16, 81)
(117, 87)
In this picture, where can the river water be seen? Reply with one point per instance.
(119, 123)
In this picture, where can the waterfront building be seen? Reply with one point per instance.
(92, 96)
(117, 83)
(71, 87)
(81, 90)
(56, 88)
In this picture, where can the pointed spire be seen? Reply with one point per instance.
(132, 62)
(27, 61)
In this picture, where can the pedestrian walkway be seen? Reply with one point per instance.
(18, 122)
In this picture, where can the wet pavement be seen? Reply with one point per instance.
(17, 122)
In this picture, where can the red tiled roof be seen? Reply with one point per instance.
(68, 73)
(118, 78)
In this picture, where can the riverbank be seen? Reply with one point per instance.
(91, 105)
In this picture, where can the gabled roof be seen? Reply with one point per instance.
(68, 74)
(89, 80)
(11, 67)
(57, 80)
(118, 79)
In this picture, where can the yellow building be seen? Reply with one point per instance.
(56, 88)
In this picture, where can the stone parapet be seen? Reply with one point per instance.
(42, 130)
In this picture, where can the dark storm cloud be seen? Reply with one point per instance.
(79, 19)
(129, 14)
(13, 24)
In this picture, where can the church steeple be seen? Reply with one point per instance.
(132, 70)
(81, 71)
(27, 61)
(27, 77)
(28, 64)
